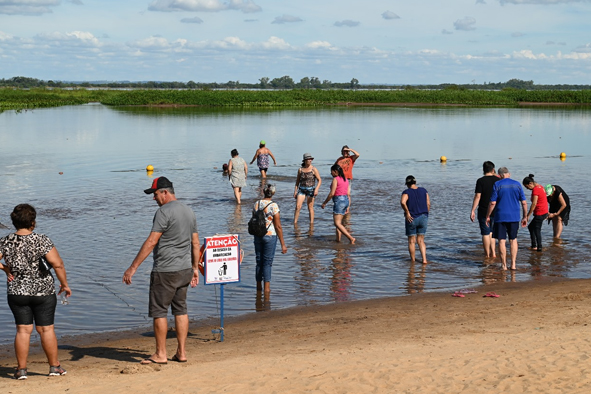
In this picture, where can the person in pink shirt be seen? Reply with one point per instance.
(539, 209)
(339, 189)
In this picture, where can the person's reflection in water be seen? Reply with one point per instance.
(235, 224)
(260, 190)
(305, 257)
(416, 280)
(491, 274)
(299, 234)
(262, 302)
(341, 281)
(537, 268)
(509, 276)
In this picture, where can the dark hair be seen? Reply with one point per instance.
(269, 190)
(23, 216)
(528, 179)
(234, 152)
(261, 145)
(339, 170)
(488, 166)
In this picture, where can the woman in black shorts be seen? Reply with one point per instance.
(31, 289)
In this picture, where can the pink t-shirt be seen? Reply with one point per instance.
(542, 205)
(342, 187)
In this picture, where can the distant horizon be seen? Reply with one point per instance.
(457, 42)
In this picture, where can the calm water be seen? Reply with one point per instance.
(98, 216)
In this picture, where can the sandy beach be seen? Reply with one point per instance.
(533, 338)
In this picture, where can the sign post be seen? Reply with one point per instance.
(221, 263)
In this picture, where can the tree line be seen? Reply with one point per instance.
(284, 82)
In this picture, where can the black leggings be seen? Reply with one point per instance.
(535, 230)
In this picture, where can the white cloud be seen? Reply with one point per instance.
(27, 7)
(276, 43)
(319, 45)
(347, 23)
(192, 20)
(583, 48)
(286, 19)
(75, 38)
(246, 6)
(465, 24)
(389, 15)
(445, 31)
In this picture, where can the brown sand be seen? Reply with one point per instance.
(534, 338)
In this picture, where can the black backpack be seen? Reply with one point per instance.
(257, 225)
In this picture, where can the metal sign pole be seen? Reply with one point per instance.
(222, 313)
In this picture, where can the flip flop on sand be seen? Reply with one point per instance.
(149, 361)
(177, 359)
(456, 294)
(491, 294)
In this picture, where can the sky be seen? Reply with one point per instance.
(374, 41)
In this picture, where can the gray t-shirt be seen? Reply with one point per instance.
(177, 223)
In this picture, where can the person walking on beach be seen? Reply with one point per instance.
(506, 198)
(262, 157)
(31, 287)
(306, 187)
(264, 246)
(346, 162)
(559, 210)
(416, 205)
(175, 242)
(237, 172)
(539, 209)
(482, 192)
(338, 194)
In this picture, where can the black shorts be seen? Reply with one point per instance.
(169, 289)
(26, 309)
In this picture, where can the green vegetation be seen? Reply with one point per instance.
(19, 99)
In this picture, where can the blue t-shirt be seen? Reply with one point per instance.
(417, 201)
(508, 195)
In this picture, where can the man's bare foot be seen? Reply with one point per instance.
(352, 241)
(425, 262)
(504, 267)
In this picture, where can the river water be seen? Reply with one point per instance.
(83, 168)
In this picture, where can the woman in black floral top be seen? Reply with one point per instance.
(31, 290)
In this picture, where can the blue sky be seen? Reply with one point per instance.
(375, 41)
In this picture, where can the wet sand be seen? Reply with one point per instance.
(533, 338)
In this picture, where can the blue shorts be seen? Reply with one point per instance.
(341, 204)
(306, 191)
(500, 230)
(484, 229)
(417, 227)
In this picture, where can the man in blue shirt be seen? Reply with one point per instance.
(507, 196)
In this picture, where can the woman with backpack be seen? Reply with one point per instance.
(339, 189)
(264, 245)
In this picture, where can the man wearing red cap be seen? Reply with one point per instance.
(175, 242)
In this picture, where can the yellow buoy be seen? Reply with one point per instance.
(562, 155)
(150, 167)
(443, 159)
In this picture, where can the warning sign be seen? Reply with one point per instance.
(222, 259)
